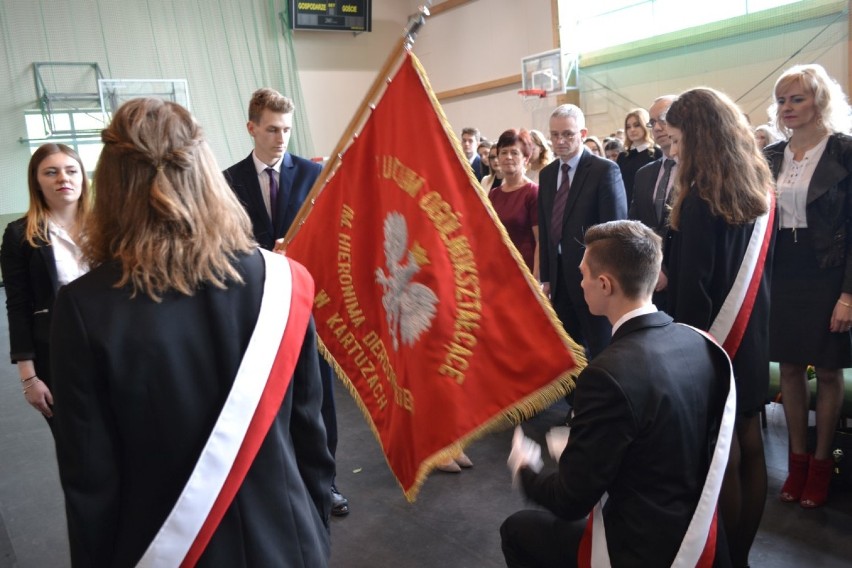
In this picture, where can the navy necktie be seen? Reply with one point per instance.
(559, 202)
(273, 194)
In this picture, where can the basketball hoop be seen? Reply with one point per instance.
(533, 99)
(532, 93)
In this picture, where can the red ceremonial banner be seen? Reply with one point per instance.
(429, 313)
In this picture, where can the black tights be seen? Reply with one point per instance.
(743, 494)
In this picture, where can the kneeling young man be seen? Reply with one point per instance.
(648, 412)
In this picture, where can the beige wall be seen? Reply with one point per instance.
(337, 69)
(493, 35)
(481, 41)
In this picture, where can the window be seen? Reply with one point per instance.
(78, 129)
(590, 26)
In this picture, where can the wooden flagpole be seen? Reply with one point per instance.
(415, 22)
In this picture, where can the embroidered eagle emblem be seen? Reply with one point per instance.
(409, 306)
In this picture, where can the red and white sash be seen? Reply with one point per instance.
(698, 546)
(261, 382)
(730, 324)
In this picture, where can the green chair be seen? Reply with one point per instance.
(774, 394)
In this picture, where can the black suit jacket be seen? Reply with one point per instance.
(29, 275)
(705, 257)
(630, 162)
(476, 164)
(647, 413)
(642, 209)
(596, 196)
(138, 388)
(829, 202)
(296, 180)
(642, 206)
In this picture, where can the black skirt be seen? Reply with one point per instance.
(803, 299)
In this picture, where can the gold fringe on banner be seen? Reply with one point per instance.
(521, 410)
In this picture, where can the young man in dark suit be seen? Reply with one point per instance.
(652, 188)
(272, 184)
(470, 139)
(593, 193)
(648, 412)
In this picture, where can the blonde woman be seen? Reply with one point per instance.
(540, 157)
(812, 272)
(639, 148)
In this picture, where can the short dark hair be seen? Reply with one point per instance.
(613, 144)
(268, 99)
(473, 132)
(628, 250)
(512, 137)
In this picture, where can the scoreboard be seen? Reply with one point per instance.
(341, 15)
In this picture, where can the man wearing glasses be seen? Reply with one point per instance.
(576, 191)
(652, 188)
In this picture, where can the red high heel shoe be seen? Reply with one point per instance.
(819, 478)
(797, 477)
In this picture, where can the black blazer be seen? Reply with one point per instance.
(596, 196)
(647, 413)
(138, 387)
(476, 164)
(642, 209)
(829, 204)
(296, 180)
(630, 162)
(642, 206)
(29, 275)
(704, 258)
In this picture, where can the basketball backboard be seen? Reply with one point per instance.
(115, 92)
(553, 71)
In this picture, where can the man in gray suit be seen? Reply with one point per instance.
(575, 192)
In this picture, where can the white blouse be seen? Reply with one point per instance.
(69, 259)
(792, 185)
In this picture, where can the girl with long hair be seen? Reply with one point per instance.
(40, 253)
(185, 331)
(723, 190)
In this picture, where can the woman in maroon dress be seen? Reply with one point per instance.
(516, 199)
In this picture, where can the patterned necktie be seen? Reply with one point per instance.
(660, 195)
(273, 194)
(559, 202)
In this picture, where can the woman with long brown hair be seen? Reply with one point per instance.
(187, 385)
(721, 241)
(812, 272)
(40, 253)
